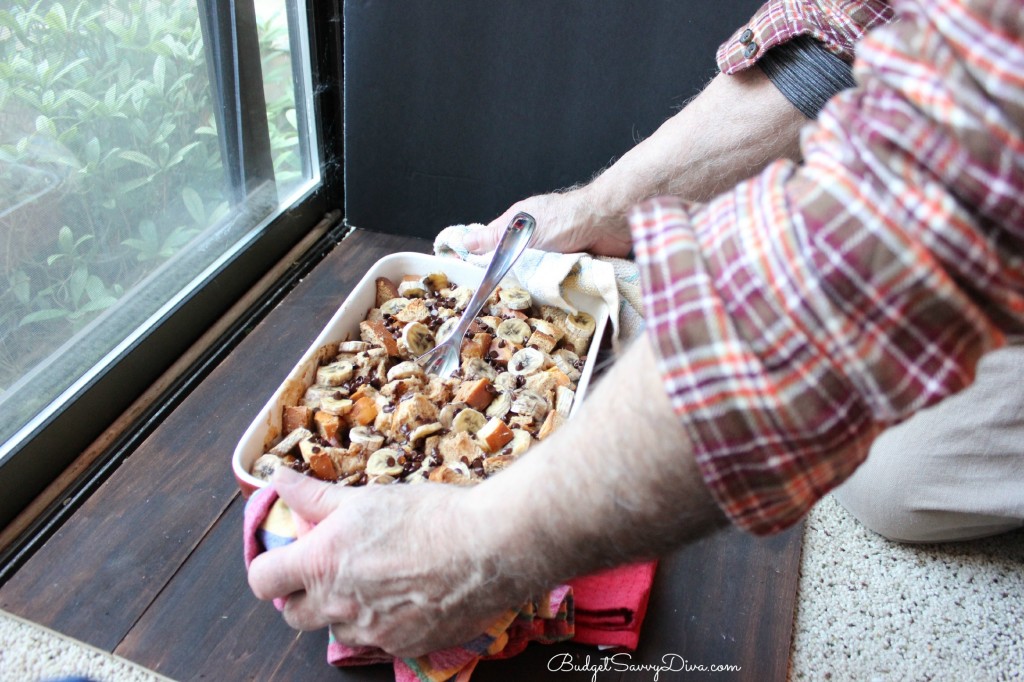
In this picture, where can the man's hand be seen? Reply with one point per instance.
(404, 568)
(732, 130)
(567, 223)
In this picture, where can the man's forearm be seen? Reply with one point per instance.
(615, 483)
(733, 129)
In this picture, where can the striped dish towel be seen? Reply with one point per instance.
(547, 275)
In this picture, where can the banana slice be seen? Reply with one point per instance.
(529, 404)
(412, 288)
(521, 442)
(336, 373)
(394, 306)
(418, 476)
(436, 281)
(515, 298)
(505, 381)
(405, 370)
(265, 466)
(461, 297)
(289, 442)
(333, 405)
(313, 394)
(500, 406)
(446, 328)
(362, 435)
(416, 339)
(563, 400)
(353, 347)
(384, 462)
(447, 414)
(468, 420)
(514, 331)
(526, 361)
(566, 360)
(578, 330)
(477, 368)
(425, 430)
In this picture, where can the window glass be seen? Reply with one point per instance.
(115, 193)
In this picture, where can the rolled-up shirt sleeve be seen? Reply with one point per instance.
(799, 314)
(837, 24)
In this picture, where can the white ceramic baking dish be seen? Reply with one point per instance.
(266, 427)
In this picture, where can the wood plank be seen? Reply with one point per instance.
(103, 569)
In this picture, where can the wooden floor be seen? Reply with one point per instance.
(151, 567)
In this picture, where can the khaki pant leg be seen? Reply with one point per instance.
(954, 471)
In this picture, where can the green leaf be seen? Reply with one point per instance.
(194, 205)
(159, 72)
(138, 157)
(66, 239)
(131, 185)
(98, 304)
(95, 289)
(45, 126)
(76, 284)
(64, 70)
(83, 98)
(178, 238)
(42, 316)
(180, 154)
(92, 150)
(57, 19)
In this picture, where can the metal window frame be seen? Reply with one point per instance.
(52, 446)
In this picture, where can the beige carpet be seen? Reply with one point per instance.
(868, 610)
(30, 653)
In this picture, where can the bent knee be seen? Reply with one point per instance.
(906, 509)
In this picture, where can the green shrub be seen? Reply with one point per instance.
(112, 99)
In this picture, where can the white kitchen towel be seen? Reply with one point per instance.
(546, 275)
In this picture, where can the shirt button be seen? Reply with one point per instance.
(746, 36)
(750, 50)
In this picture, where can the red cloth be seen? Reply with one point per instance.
(611, 605)
(604, 609)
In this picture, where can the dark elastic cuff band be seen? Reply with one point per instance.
(806, 73)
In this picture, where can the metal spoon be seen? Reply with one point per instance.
(443, 359)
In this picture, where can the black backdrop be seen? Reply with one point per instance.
(455, 109)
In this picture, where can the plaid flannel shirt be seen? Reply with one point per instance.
(802, 312)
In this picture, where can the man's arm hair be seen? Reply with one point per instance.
(616, 483)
